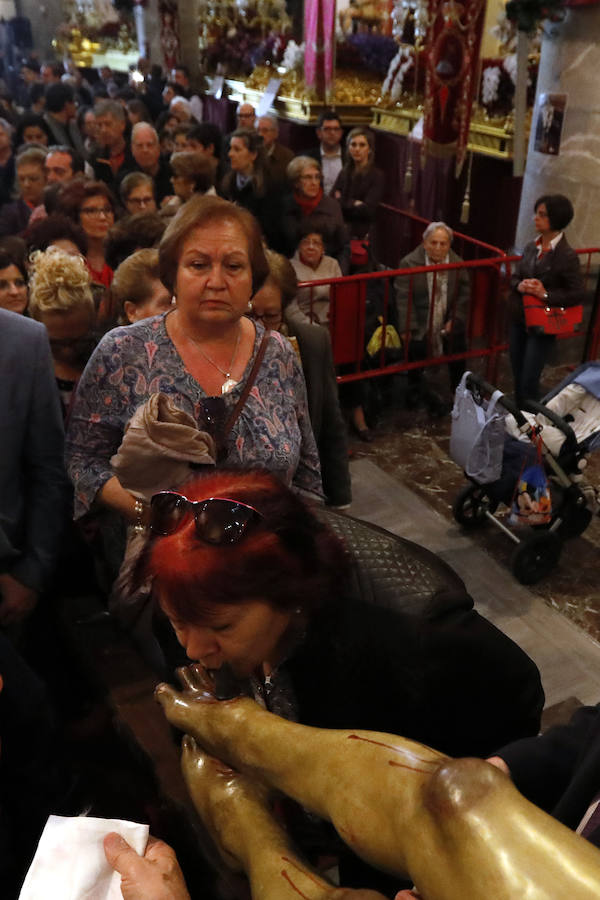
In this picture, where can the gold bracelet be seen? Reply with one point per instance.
(140, 508)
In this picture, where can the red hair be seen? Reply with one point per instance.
(288, 558)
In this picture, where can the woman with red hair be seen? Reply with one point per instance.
(252, 577)
(259, 586)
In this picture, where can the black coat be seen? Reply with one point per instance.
(326, 417)
(364, 186)
(559, 272)
(103, 171)
(14, 217)
(453, 682)
(162, 180)
(265, 207)
(560, 771)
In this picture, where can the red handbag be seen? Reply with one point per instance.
(551, 319)
(359, 251)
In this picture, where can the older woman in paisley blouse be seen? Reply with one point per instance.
(200, 354)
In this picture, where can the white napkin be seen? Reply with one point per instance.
(69, 863)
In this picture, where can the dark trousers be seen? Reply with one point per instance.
(528, 356)
(455, 342)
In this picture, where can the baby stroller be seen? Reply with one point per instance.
(565, 426)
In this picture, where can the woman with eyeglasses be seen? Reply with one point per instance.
(310, 263)
(548, 270)
(204, 354)
(264, 593)
(270, 305)
(137, 193)
(307, 208)
(92, 205)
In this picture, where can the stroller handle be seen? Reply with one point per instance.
(474, 382)
(570, 444)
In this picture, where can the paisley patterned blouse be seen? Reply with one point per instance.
(273, 429)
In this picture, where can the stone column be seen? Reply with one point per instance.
(188, 37)
(569, 64)
(45, 19)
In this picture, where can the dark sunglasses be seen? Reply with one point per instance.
(218, 520)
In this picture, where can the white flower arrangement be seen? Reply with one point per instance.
(293, 58)
(489, 87)
(509, 64)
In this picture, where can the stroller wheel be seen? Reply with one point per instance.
(471, 505)
(574, 523)
(535, 556)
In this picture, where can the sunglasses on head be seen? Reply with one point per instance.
(218, 520)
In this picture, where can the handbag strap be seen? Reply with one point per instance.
(235, 412)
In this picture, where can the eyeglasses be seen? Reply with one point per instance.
(140, 201)
(271, 320)
(218, 520)
(97, 211)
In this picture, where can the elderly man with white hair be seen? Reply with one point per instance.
(245, 115)
(277, 155)
(439, 303)
(145, 149)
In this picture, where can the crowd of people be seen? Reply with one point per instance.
(151, 326)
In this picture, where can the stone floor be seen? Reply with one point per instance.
(405, 481)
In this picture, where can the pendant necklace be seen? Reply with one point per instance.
(229, 382)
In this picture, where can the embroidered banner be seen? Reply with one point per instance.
(169, 31)
(452, 65)
(319, 55)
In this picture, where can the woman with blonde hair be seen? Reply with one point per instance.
(137, 291)
(61, 299)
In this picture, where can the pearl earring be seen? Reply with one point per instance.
(250, 306)
(173, 300)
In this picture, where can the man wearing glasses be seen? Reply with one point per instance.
(330, 152)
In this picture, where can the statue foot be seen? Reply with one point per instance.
(195, 709)
(227, 801)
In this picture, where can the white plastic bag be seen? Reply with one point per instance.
(477, 436)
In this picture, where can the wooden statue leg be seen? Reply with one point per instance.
(458, 828)
(236, 811)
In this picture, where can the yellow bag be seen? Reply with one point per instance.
(393, 340)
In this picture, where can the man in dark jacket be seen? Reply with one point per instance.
(439, 304)
(330, 151)
(560, 771)
(114, 158)
(34, 491)
(60, 117)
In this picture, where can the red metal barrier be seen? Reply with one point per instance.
(360, 302)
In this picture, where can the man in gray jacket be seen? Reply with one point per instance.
(432, 311)
(34, 489)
